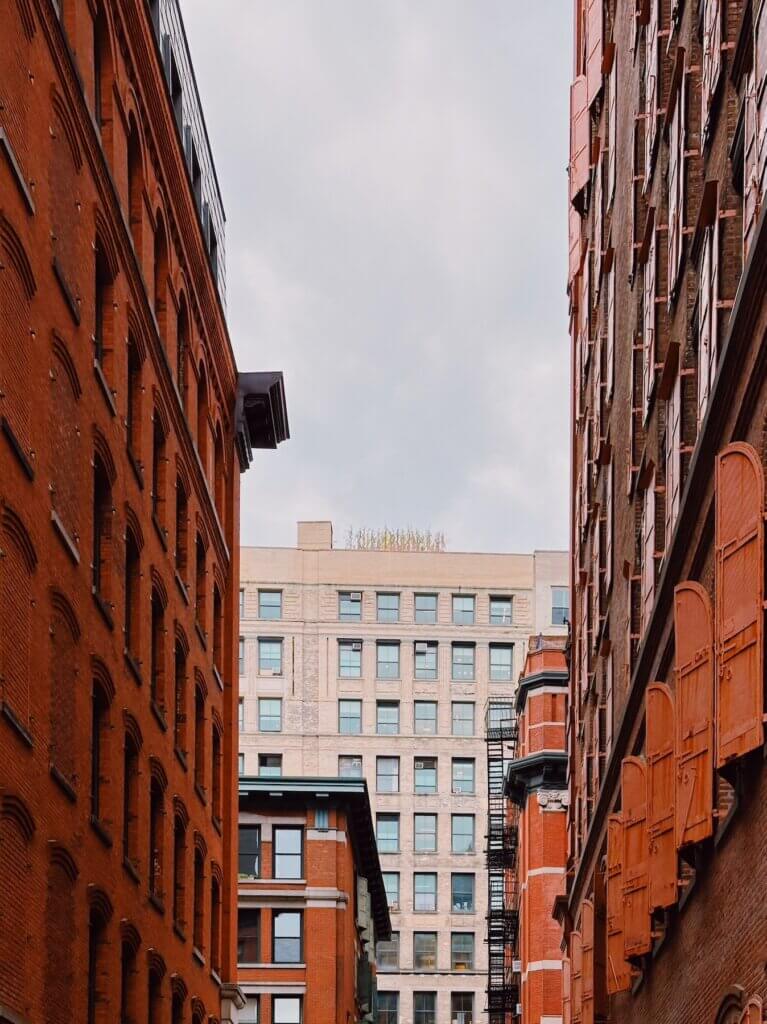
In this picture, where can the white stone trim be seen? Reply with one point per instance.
(545, 871)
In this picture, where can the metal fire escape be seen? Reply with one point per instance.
(502, 838)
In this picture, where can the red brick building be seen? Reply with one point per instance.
(312, 903)
(124, 427)
(665, 919)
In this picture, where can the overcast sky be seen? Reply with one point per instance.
(393, 173)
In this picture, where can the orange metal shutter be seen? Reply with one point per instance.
(594, 48)
(740, 593)
(618, 971)
(661, 769)
(760, 76)
(576, 955)
(636, 845)
(587, 932)
(750, 174)
(652, 67)
(574, 238)
(580, 137)
(752, 1014)
(694, 668)
(566, 982)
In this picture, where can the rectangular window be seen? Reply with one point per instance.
(388, 1008)
(425, 774)
(463, 774)
(425, 717)
(322, 819)
(241, 764)
(387, 717)
(501, 662)
(270, 765)
(391, 885)
(673, 460)
(249, 851)
(387, 660)
(463, 662)
(462, 893)
(387, 775)
(387, 953)
(350, 605)
(462, 1007)
(250, 1012)
(241, 656)
(463, 718)
(424, 1008)
(286, 936)
(500, 611)
(242, 602)
(425, 659)
(424, 891)
(270, 657)
(248, 936)
(425, 833)
(387, 833)
(350, 659)
(270, 604)
(462, 951)
(387, 607)
(349, 766)
(426, 609)
(463, 609)
(425, 951)
(350, 717)
(241, 714)
(462, 826)
(287, 1010)
(499, 715)
(560, 606)
(288, 851)
(270, 714)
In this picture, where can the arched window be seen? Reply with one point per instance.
(97, 964)
(102, 528)
(61, 909)
(219, 476)
(158, 471)
(128, 971)
(177, 1009)
(199, 738)
(203, 427)
(179, 872)
(157, 690)
(133, 402)
(16, 833)
(215, 924)
(130, 800)
(64, 634)
(17, 288)
(216, 766)
(17, 571)
(218, 628)
(135, 185)
(102, 69)
(103, 313)
(182, 519)
(132, 594)
(180, 684)
(160, 276)
(199, 899)
(182, 350)
(155, 995)
(156, 844)
(99, 752)
(200, 584)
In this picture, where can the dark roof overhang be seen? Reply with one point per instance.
(545, 769)
(261, 414)
(550, 677)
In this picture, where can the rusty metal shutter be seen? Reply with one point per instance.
(566, 982)
(694, 670)
(752, 1013)
(576, 998)
(712, 57)
(751, 197)
(618, 971)
(580, 137)
(661, 770)
(587, 933)
(676, 148)
(652, 69)
(594, 48)
(739, 604)
(636, 845)
(575, 244)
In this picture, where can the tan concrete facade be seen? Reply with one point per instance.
(304, 672)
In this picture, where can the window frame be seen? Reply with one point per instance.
(425, 617)
(494, 669)
(460, 615)
(460, 762)
(471, 705)
(390, 761)
(418, 788)
(471, 849)
(432, 833)
(432, 891)
(285, 912)
(454, 665)
(392, 818)
(262, 717)
(429, 651)
(499, 599)
(387, 705)
(264, 663)
(266, 592)
(350, 647)
(384, 614)
(471, 876)
(425, 703)
(256, 829)
(348, 718)
(349, 615)
(394, 645)
(417, 955)
(276, 853)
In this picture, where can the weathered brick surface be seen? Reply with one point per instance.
(64, 198)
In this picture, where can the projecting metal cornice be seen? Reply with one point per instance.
(551, 678)
(261, 414)
(545, 769)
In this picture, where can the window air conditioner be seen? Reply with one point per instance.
(356, 595)
(516, 966)
(357, 647)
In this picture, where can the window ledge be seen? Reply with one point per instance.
(64, 783)
(10, 155)
(101, 831)
(109, 398)
(136, 467)
(201, 634)
(131, 869)
(17, 450)
(181, 758)
(200, 791)
(159, 714)
(66, 291)
(133, 666)
(219, 680)
(215, 978)
(61, 532)
(157, 902)
(162, 533)
(21, 730)
(182, 587)
(179, 931)
(198, 955)
(218, 825)
(103, 607)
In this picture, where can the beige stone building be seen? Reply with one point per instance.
(384, 664)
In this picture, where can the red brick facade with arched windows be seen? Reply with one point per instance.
(119, 528)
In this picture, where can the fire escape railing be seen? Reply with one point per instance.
(501, 851)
